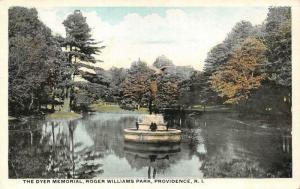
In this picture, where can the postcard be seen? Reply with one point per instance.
(149, 94)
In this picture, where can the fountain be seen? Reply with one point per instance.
(152, 128)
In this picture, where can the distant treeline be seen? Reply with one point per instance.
(250, 70)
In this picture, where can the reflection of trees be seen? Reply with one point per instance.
(237, 151)
(60, 150)
(194, 141)
(155, 163)
(75, 149)
(52, 152)
(217, 167)
(67, 162)
(67, 155)
(107, 131)
(230, 149)
(25, 161)
(227, 158)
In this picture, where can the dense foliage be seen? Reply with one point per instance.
(250, 68)
(239, 76)
(157, 86)
(42, 73)
(136, 87)
(37, 65)
(277, 37)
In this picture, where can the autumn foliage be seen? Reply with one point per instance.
(239, 75)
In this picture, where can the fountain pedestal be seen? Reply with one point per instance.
(144, 134)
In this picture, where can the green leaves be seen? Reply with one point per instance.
(36, 61)
(278, 41)
(76, 27)
(78, 39)
(135, 89)
(219, 54)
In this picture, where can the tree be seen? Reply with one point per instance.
(78, 39)
(239, 76)
(136, 87)
(278, 41)
(169, 81)
(117, 77)
(274, 96)
(196, 90)
(85, 93)
(80, 47)
(218, 56)
(60, 74)
(168, 91)
(220, 53)
(276, 35)
(36, 62)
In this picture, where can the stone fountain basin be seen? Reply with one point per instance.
(145, 136)
(146, 149)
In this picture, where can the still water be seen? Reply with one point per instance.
(213, 145)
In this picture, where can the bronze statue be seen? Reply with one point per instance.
(154, 89)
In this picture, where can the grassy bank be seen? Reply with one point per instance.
(114, 108)
(218, 108)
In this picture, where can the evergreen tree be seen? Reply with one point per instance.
(80, 48)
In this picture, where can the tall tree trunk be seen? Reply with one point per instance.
(39, 106)
(53, 99)
(67, 100)
(31, 102)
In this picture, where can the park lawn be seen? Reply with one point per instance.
(114, 108)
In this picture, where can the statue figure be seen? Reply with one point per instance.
(154, 89)
(153, 126)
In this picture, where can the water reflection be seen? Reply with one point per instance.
(212, 146)
(238, 149)
(286, 143)
(157, 158)
(70, 157)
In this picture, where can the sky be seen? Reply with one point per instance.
(183, 34)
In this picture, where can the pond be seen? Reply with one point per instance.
(213, 146)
